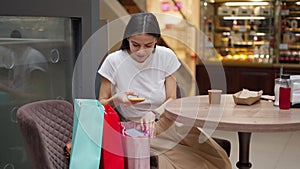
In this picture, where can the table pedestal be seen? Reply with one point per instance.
(244, 145)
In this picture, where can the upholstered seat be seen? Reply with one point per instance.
(46, 126)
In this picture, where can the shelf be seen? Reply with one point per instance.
(294, 12)
(250, 43)
(10, 41)
(294, 46)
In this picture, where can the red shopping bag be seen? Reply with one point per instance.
(112, 156)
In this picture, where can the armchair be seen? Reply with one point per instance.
(46, 126)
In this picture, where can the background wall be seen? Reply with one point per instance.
(190, 8)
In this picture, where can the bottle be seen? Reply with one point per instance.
(285, 92)
(276, 91)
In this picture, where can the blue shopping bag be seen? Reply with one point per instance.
(87, 134)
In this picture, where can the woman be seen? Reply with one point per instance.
(143, 69)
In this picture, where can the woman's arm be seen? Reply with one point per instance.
(171, 87)
(106, 97)
(105, 92)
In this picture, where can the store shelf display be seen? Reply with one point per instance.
(241, 31)
(289, 45)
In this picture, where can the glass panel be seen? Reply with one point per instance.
(240, 31)
(288, 31)
(33, 27)
(36, 63)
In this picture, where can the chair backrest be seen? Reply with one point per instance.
(180, 91)
(46, 126)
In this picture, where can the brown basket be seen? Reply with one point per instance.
(248, 100)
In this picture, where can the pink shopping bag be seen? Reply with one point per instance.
(136, 147)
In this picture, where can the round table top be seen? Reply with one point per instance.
(262, 116)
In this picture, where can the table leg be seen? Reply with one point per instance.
(244, 145)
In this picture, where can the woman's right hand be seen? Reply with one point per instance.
(122, 98)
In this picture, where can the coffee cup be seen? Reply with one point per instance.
(214, 96)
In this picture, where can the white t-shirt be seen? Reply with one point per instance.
(147, 78)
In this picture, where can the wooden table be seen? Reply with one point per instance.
(259, 117)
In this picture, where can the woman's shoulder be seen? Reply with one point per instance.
(163, 49)
(116, 55)
(165, 52)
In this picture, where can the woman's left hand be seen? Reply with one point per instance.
(148, 124)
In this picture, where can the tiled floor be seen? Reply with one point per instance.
(268, 150)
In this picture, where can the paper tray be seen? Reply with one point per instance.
(248, 100)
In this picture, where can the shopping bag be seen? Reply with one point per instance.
(112, 148)
(87, 134)
(136, 147)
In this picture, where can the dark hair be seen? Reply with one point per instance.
(140, 23)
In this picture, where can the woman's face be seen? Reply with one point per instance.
(141, 46)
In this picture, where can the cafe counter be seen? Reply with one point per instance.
(239, 75)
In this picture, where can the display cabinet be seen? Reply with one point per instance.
(288, 12)
(31, 46)
(239, 31)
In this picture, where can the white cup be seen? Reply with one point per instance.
(214, 96)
